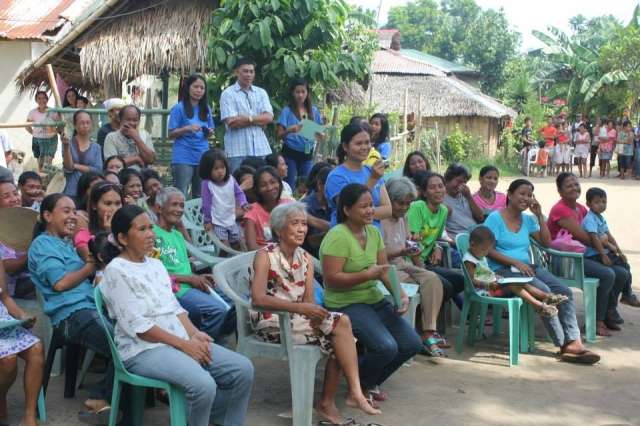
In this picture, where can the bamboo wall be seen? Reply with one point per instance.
(485, 128)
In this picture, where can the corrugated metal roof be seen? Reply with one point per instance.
(37, 19)
(392, 62)
(442, 64)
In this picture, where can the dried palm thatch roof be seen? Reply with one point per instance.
(134, 38)
(439, 96)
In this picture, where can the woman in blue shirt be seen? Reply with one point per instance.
(355, 144)
(190, 124)
(296, 150)
(62, 278)
(80, 154)
(380, 134)
(512, 229)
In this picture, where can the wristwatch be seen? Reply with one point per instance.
(250, 119)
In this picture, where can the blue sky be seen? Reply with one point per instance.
(527, 15)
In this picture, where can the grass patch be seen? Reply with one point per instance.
(508, 167)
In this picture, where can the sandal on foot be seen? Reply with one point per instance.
(442, 342)
(100, 417)
(547, 311)
(603, 331)
(378, 394)
(583, 357)
(556, 299)
(349, 421)
(430, 348)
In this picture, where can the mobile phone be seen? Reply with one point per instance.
(413, 247)
(205, 131)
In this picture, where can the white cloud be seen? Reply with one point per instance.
(526, 15)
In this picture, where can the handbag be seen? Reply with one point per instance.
(564, 242)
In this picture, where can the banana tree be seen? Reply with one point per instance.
(570, 61)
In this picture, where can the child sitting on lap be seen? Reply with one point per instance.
(485, 280)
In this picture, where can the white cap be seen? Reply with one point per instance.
(112, 103)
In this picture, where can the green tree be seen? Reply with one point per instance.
(459, 30)
(621, 53)
(324, 41)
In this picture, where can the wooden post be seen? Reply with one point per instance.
(53, 84)
(405, 129)
(437, 148)
(418, 131)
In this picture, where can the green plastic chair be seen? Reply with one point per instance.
(521, 315)
(177, 401)
(232, 276)
(569, 269)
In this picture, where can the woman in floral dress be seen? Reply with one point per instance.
(283, 281)
(17, 342)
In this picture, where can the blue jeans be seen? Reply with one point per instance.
(209, 313)
(216, 393)
(183, 175)
(84, 328)
(388, 340)
(614, 280)
(296, 168)
(637, 161)
(563, 328)
(234, 162)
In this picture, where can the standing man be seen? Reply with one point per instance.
(245, 110)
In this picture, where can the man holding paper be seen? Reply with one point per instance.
(299, 125)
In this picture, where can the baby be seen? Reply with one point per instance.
(486, 282)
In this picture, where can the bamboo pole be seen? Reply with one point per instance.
(31, 124)
(418, 131)
(437, 147)
(404, 122)
(53, 84)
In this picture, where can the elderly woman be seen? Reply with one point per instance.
(353, 260)
(154, 335)
(283, 281)
(512, 229)
(614, 279)
(268, 190)
(17, 342)
(399, 248)
(355, 144)
(62, 277)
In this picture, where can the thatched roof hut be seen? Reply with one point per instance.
(125, 39)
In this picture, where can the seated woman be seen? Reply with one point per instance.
(400, 247)
(17, 342)
(209, 312)
(426, 220)
(153, 333)
(62, 277)
(512, 229)
(151, 184)
(614, 279)
(268, 189)
(415, 162)
(104, 202)
(353, 260)
(355, 144)
(318, 211)
(14, 262)
(283, 281)
(465, 213)
(487, 198)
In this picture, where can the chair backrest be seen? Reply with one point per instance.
(532, 155)
(115, 356)
(194, 222)
(233, 277)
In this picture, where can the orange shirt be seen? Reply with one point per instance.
(549, 133)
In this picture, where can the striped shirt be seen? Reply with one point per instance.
(251, 140)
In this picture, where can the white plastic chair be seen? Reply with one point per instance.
(532, 156)
(232, 276)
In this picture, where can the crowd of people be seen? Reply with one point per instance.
(117, 226)
(560, 145)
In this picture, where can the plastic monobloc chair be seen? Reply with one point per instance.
(177, 401)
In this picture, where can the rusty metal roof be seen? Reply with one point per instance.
(392, 62)
(36, 19)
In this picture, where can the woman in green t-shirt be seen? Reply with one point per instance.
(427, 219)
(353, 260)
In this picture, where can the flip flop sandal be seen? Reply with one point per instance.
(430, 348)
(442, 342)
(378, 395)
(584, 357)
(100, 417)
(349, 421)
(603, 332)
(556, 299)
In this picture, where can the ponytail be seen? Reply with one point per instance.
(47, 205)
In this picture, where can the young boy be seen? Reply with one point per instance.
(481, 240)
(605, 248)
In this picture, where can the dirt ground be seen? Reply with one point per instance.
(475, 387)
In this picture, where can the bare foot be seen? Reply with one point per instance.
(95, 404)
(361, 403)
(28, 422)
(329, 412)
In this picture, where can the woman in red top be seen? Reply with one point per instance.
(549, 133)
(568, 214)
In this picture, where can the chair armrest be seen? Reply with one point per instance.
(201, 255)
(446, 248)
(555, 252)
(223, 247)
